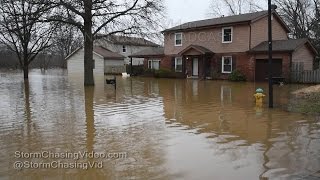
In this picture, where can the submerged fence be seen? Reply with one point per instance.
(299, 75)
(114, 69)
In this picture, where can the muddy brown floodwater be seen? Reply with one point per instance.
(151, 129)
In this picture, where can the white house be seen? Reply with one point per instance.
(125, 46)
(104, 61)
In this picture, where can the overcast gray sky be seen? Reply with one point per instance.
(180, 11)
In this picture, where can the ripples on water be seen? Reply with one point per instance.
(171, 129)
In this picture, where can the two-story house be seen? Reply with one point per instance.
(218, 46)
(125, 46)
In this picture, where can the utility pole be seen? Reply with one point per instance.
(270, 9)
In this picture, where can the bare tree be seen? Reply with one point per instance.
(21, 30)
(233, 7)
(316, 28)
(66, 39)
(112, 16)
(297, 14)
(302, 17)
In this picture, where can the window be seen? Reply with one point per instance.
(154, 64)
(178, 39)
(124, 48)
(178, 64)
(227, 34)
(93, 64)
(226, 64)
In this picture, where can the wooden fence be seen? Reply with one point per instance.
(299, 75)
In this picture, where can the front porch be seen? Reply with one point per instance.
(196, 62)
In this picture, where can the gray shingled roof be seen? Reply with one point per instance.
(149, 52)
(280, 45)
(107, 54)
(126, 40)
(219, 21)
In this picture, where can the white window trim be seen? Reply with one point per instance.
(153, 60)
(175, 39)
(222, 68)
(223, 34)
(175, 64)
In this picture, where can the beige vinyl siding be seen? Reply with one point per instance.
(303, 54)
(210, 39)
(75, 63)
(259, 31)
(130, 50)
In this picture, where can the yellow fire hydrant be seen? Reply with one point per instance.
(259, 96)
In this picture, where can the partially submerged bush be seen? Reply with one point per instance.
(164, 73)
(236, 75)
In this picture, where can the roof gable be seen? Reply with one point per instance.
(200, 49)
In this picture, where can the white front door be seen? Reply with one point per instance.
(195, 67)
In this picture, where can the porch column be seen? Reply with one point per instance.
(131, 70)
(204, 67)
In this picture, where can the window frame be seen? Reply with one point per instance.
(175, 64)
(175, 39)
(150, 61)
(231, 28)
(222, 64)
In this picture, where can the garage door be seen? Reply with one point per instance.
(262, 69)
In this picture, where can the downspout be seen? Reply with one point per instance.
(250, 34)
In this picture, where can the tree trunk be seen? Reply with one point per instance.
(88, 45)
(25, 72)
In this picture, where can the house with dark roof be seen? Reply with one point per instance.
(125, 45)
(104, 61)
(214, 48)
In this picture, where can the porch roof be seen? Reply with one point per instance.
(202, 50)
(149, 52)
(283, 46)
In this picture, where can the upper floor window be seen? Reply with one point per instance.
(227, 34)
(124, 48)
(178, 39)
(226, 64)
(178, 64)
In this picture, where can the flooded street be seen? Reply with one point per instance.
(163, 129)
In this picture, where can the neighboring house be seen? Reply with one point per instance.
(152, 56)
(104, 61)
(216, 47)
(125, 46)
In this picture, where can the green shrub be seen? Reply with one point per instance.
(149, 71)
(236, 75)
(163, 73)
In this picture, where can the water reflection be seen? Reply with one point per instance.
(171, 129)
